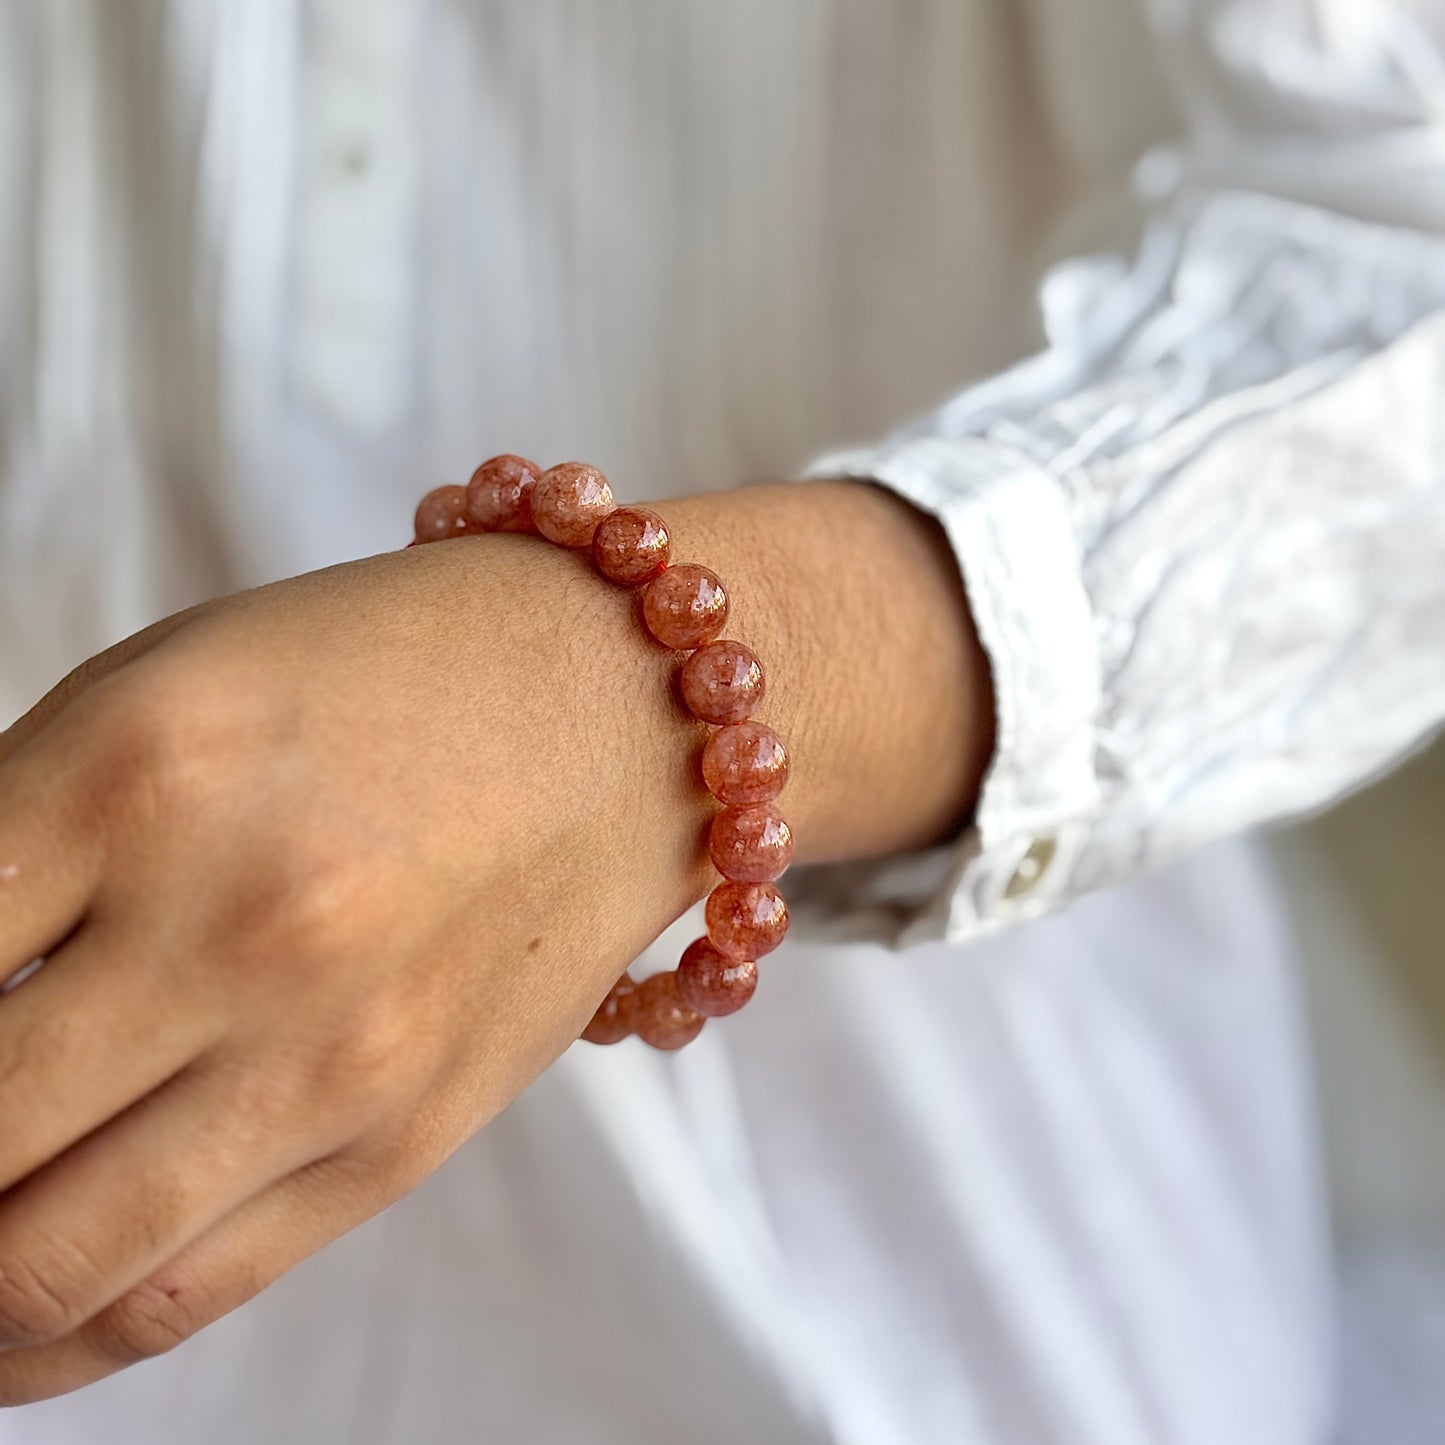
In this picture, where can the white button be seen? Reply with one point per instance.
(353, 290)
(1032, 866)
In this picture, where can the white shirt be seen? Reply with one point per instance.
(268, 270)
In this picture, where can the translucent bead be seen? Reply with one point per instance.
(569, 501)
(722, 682)
(711, 984)
(630, 547)
(613, 1020)
(752, 844)
(499, 495)
(746, 920)
(686, 606)
(745, 763)
(442, 514)
(659, 1016)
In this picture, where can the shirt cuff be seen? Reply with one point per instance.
(1011, 530)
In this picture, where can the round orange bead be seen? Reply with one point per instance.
(442, 514)
(722, 682)
(686, 606)
(568, 502)
(499, 495)
(752, 844)
(745, 763)
(659, 1016)
(613, 1020)
(631, 546)
(711, 983)
(746, 920)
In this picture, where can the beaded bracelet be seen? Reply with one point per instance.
(744, 764)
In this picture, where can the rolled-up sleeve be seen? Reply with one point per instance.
(1202, 534)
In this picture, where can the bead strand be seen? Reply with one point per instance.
(744, 764)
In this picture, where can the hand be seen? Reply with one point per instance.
(326, 873)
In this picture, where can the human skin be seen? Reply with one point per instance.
(327, 872)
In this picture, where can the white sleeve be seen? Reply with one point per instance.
(1203, 534)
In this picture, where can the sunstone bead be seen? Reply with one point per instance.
(745, 763)
(746, 920)
(711, 983)
(722, 682)
(613, 1020)
(686, 606)
(659, 1016)
(631, 546)
(752, 844)
(569, 501)
(442, 514)
(499, 495)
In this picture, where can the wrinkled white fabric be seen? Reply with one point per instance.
(269, 269)
(1203, 531)
(1202, 537)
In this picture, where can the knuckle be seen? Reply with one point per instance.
(157, 760)
(329, 1078)
(316, 901)
(295, 919)
(371, 1051)
(146, 1322)
(43, 1299)
(367, 1063)
(318, 907)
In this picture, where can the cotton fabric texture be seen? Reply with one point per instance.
(268, 270)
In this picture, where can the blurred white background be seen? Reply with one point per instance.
(1367, 887)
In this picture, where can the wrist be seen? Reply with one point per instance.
(854, 599)
(876, 678)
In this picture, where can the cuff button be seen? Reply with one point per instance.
(1032, 866)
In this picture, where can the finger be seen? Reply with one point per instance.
(87, 675)
(48, 864)
(233, 1261)
(100, 1026)
(95, 1222)
(50, 853)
